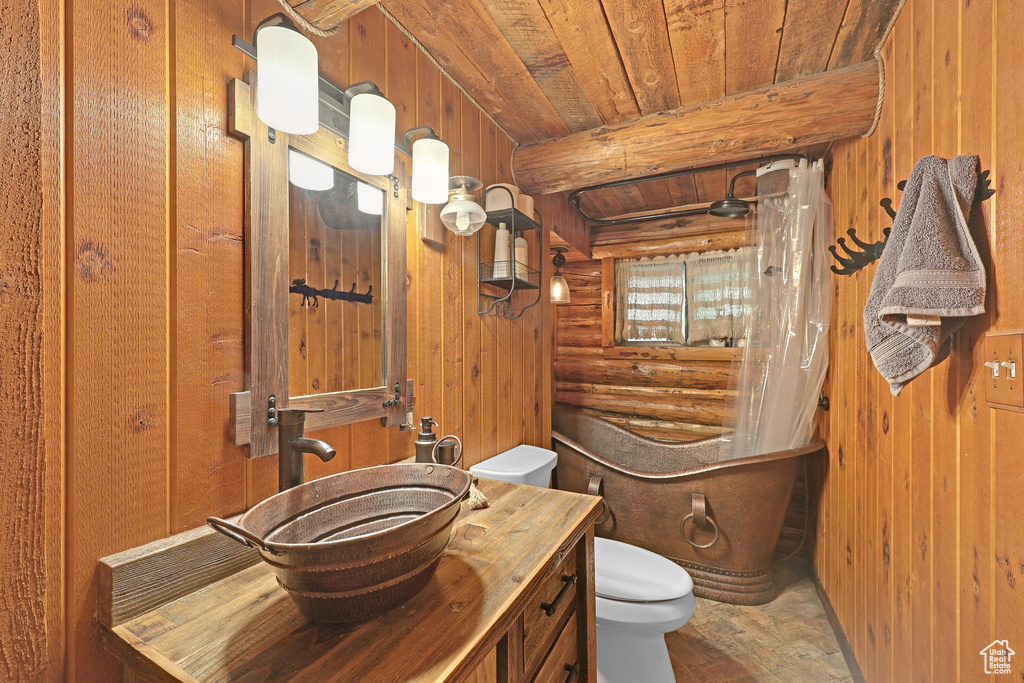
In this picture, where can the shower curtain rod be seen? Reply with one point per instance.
(574, 197)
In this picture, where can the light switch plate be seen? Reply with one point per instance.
(1005, 391)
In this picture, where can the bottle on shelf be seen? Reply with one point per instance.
(502, 252)
(522, 257)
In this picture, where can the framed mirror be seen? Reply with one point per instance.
(325, 255)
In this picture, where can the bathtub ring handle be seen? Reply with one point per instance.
(700, 519)
(596, 488)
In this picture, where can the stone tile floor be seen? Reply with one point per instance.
(787, 639)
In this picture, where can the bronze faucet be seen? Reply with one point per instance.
(292, 443)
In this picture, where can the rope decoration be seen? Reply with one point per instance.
(881, 69)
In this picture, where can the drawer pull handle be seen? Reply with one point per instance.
(549, 607)
(573, 670)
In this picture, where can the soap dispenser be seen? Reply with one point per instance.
(502, 251)
(425, 440)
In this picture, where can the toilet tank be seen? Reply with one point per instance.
(523, 464)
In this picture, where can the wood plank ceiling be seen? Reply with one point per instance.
(547, 68)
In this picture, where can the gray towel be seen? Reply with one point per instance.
(930, 268)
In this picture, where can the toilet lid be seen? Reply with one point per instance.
(626, 572)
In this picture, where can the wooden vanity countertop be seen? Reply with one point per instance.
(199, 607)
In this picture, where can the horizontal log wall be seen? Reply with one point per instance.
(920, 537)
(155, 303)
(663, 398)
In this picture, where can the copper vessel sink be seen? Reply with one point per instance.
(351, 546)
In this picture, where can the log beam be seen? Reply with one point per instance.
(827, 106)
(327, 14)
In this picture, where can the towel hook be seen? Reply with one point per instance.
(872, 251)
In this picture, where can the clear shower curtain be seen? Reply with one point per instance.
(785, 353)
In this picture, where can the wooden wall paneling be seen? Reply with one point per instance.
(753, 30)
(542, 342)
(885, 172)
(471, 356)
(977, 442)
(922, 452)
(1009, 509)
(870, 224)
(840, 459)
(526, 28)
(861, 452)
(641, 34)
(430, 258)
(298, 250)
(367, 61)
(590, 48)
(946, 543)
(506, 348)
(32, 628)
(490, 401)
(808, 36)
(118, 354)
(452, 319)
(903, 406)
(696, 29)
(316, 273)
(209, 208)
(945, 586)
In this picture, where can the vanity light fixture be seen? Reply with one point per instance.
(463, 214)
(288, 98)
(559, 287)
(371, 130)
(429, 166)
(369, 199)
(308, 173)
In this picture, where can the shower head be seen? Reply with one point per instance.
(731, 207)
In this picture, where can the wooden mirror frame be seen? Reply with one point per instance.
(266, 283)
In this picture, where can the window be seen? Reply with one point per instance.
(650, 305)
(692, 299)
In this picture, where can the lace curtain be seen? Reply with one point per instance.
(650, 299)
(718, 294)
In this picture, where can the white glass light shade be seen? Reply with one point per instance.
(463, 216)
(559, 290)
(309, 173)
(371, 134)
(370, 199)
(430, 171)
(288, 94)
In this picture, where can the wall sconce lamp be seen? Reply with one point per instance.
(463, 215)
(371, 130)
(559, 287)
(429, 166)
(288, 99)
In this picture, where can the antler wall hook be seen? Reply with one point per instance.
(872, 251)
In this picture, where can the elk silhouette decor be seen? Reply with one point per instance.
(310, 294)
(872, 251)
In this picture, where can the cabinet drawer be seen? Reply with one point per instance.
(562, 663)
(547, 608)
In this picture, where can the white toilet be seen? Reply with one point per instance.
(641, 596)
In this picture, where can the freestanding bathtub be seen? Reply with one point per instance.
(719, 520)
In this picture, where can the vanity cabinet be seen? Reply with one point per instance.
(512, 601)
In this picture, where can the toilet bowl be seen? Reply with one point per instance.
(641, 595)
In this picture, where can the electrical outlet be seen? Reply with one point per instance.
(1004, 370)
